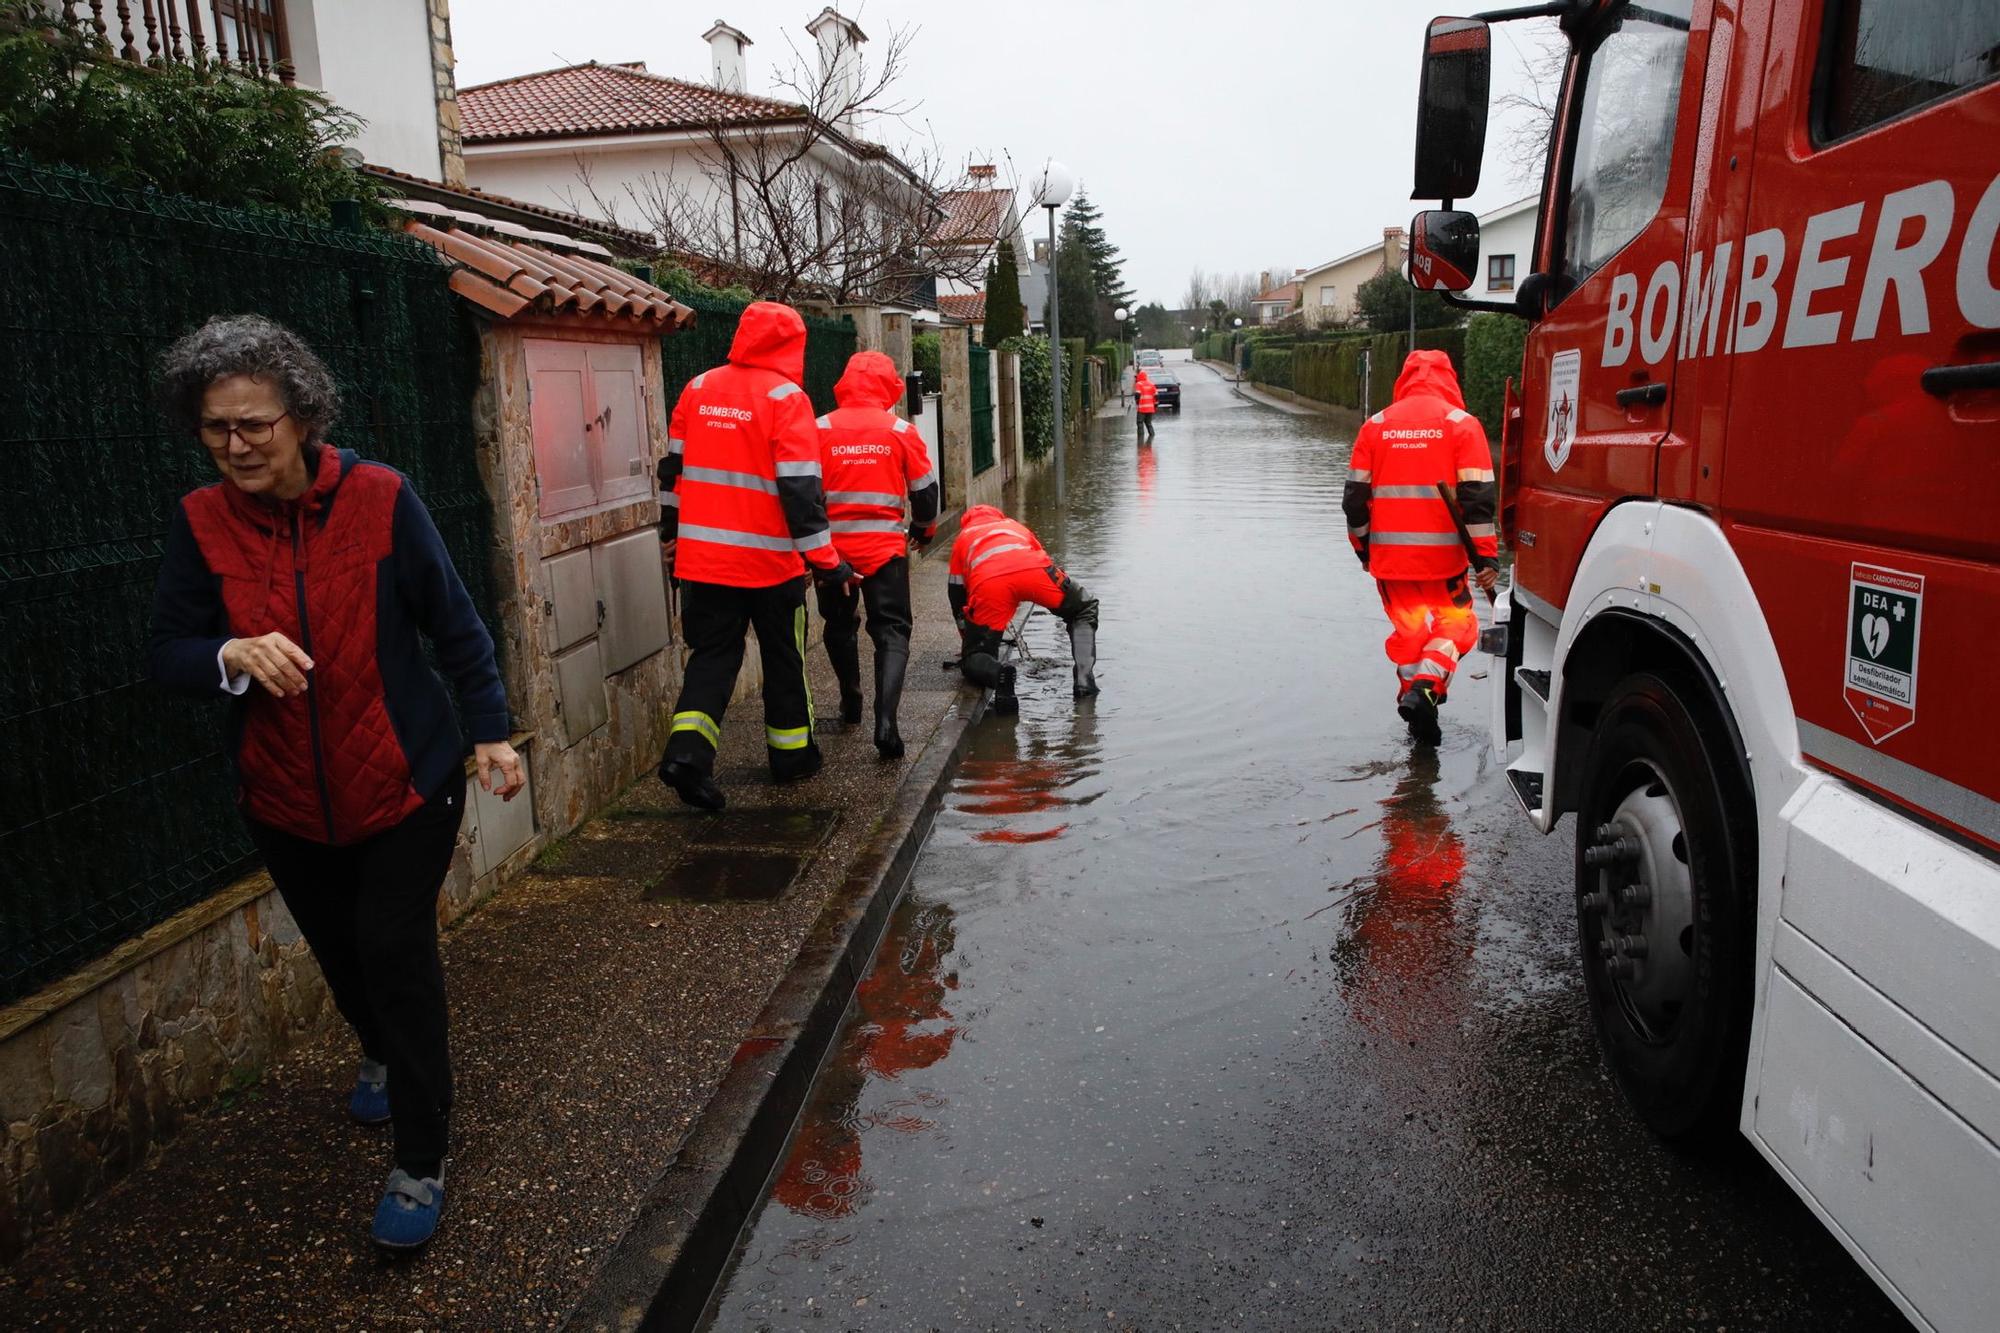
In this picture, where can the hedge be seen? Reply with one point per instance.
(1272, 365)
(1493, 348)
(1037, 417)
(1330, 372)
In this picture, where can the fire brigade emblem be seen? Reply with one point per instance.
(1559, 431)
(1884, 610)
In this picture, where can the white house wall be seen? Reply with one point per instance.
(373, 57)
(620, 180)
(1513, 235)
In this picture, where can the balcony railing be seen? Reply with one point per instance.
(248, 36)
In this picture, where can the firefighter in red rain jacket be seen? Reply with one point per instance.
(871, 459)
(743, 517)
(1402, 527)
(1146, 398)
(997, 564)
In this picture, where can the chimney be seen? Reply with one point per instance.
(840, 40)
(982, 176)
(1264, 282)
(728, 69)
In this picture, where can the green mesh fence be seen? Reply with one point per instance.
(117, 804)
(829, 342)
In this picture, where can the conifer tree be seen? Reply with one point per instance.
(1003, 299)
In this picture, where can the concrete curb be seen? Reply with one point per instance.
(663, 1271)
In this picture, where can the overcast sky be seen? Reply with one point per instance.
(1229, 136)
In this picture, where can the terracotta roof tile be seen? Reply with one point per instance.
(970, 308)
(1287, 293)
(511, 278)
(638, 242)
(604, 99)
(971, 215)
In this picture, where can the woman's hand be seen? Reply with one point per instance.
(499, 768)
(272, 660)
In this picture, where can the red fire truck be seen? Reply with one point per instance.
(1751, 483)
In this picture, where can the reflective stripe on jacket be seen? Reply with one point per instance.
(1147, 393)
(871, 459)
(741, 479)
(1396, 517)
(990, 545)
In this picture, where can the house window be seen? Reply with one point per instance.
(1499, 273)
(1326, 295)
(586, 402)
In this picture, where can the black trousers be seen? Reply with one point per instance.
(369, 913)
(714, 619)
(886, 594)
(1146, 425)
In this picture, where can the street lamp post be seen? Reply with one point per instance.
(1237, 352)
(1052, 187)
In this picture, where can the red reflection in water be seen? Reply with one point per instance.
(901, 1025)
(1403, 949)
(1019, 835)
(1149, 475)
(1015, 787)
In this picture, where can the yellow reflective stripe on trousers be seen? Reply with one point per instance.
(799, 637)
(788, 738)
(701, 722)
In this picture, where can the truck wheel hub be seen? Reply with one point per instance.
(1639, 905)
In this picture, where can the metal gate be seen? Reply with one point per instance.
(982, 409)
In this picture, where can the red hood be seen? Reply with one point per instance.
(1140, 376)
(1428, 372)
(979, 516)
(870, 380)
(771, 337)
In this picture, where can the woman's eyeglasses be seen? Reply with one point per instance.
(254, 432)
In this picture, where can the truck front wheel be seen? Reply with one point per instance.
(1665, 882)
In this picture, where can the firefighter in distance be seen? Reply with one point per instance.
(743, 517)
(997, 564)
(1413, 463)
(871, 459)
(1145, 397)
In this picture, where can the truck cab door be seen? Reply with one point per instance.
(1600, 364)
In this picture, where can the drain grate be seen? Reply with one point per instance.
(744, 855)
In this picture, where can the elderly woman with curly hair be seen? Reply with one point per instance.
(299, 586)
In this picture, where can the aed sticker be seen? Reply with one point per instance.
(1559, 431)
(1885, 610)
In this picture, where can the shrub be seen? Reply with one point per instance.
(1073, 373)
(927, 355)
(1003, 301)
(201, 131)
(1038, 434)
(1493, 348)
(1272, 365)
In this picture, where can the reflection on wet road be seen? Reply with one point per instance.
(1215, 1004)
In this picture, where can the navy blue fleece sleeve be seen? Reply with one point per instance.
(444, 612)
(189, 623)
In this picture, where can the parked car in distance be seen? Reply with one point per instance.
(1149, 359)
(1168, 387)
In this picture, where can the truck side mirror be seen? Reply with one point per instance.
(1444, 250)
(1451, 108)
(1537, 292)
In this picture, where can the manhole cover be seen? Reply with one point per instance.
(729, 875)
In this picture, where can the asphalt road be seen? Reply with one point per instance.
(1216, 1004)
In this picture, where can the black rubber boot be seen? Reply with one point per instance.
(890, 668)
(795, 765)
(1419, 708)
(692, 785)
(843, 649)
(1083, 649)
(1005, 702)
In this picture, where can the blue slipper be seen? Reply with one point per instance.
(408, 1214)
(369, 1102)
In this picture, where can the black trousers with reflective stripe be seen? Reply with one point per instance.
(714, 619)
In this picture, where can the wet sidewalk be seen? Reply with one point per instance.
(596, 1003)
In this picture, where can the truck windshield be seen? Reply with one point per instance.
(1624, 134)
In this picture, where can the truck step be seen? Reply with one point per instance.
(1527, 789)
(1534, 682)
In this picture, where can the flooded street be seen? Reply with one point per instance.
(1215, 1004)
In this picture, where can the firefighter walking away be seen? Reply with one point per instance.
(871, 459)
(743, 516)
(1420, 468)
(997, 564)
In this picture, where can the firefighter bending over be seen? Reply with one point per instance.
(997, 564)
(742, 516)
(871, 458)
(1400, 520)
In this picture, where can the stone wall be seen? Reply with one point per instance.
(955, 415)
(451, 143)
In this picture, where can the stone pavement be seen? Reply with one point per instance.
(595, 1008)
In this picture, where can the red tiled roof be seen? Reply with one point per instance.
(605, 99)
(511, 278)
(971, 309)
(638, 242)
(1288, 293)
(971, 215)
